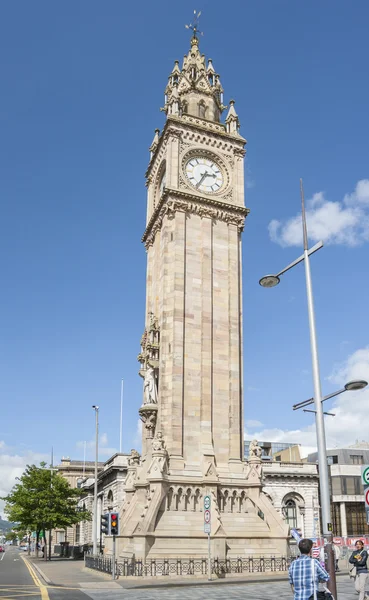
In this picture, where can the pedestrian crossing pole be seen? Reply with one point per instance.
(113, 566)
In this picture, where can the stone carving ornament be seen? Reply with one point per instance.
(134, 458)
(255, 450)
(158, 442)
(150, 389)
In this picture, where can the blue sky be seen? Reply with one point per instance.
(82, 85)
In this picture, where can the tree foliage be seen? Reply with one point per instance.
(43, 500)
(13, 536)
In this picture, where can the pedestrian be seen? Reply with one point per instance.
(359, 559)
(337, 555)
(305, 572)
(323, 558)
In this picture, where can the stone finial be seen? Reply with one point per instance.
(232, 120)
(154, 143)
(210, 68)
(176, 69)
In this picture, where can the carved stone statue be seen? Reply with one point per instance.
(158, 442)
(134, 458)
(254, 449)
(150, 391)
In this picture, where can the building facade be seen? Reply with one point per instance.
(293, 488)
(75, 472)
(346, 489)
(110, 497)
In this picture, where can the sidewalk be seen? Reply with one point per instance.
(66, 572)
(72, 573)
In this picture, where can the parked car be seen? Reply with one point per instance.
(2, 548)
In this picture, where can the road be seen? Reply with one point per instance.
(18, 581)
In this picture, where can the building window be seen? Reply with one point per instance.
(352, 486)
(356, 459)
(290, 513)
(336, 517)
(60, 536)
(356, 519)
(110, 499)
(78, 533)
(336, 486)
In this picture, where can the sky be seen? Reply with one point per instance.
(82, 84)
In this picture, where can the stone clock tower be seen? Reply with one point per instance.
(191, 349)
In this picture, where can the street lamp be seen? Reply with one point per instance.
(94, 519)
(271, 281)
(350, 386)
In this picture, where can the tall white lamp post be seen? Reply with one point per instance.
(94, 517)
(271, 281)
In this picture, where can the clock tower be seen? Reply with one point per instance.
(191, 349)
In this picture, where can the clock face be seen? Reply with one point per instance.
(204, 174)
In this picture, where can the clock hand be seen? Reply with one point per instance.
(203, 176)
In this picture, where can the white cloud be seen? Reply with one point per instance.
(351, 410)
(253, 423)
(342, 222)
(104, 449)
(12, 466)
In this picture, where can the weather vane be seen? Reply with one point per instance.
(195, 25)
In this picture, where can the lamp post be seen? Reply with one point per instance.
(271, 281)
(94, 519)
(350, 386)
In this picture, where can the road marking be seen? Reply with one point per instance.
(18, 594)
(42, 588)
(3, 554)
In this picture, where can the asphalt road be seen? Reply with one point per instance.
(16, 581)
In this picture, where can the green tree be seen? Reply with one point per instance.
(12, 536)
(43, 500)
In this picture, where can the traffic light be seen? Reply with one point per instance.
(104, 526)
(114, 523)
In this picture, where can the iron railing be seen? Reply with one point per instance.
(189, 566)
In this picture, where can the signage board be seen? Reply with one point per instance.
(365, 475)
(366, 494)
(295, 535)
(207, 515)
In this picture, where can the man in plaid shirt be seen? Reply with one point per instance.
(302, 571)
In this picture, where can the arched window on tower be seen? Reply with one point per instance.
(211, 79)
(202, 109)
(290, 512)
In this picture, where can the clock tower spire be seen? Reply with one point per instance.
(195, 89)
(191, 357)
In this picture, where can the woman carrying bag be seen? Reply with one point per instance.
(359, 569)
